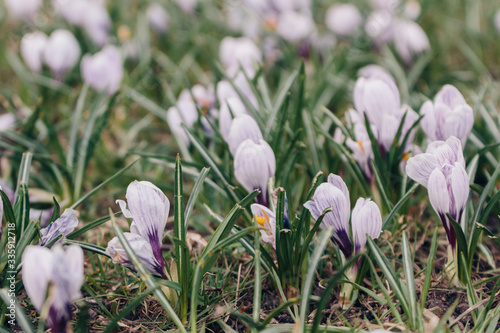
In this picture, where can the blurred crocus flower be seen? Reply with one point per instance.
(64, 225)
(61, 53)
(187, 6)
(449, 115)
(410, 40)
(243, 127)
(254, 164)
(441, 169)
(148, 207)
(412, 9)
(52, 279)
(32, 48)
(103, 71)
(225, 89)
(231, 108)
(389, 5)
(266, 218)
(158, 17)
(497, 21)
(343, 19)
(96, 22)
(236, 53)
(184, 112)
(6, 121)
(23, 9)
(295, 26)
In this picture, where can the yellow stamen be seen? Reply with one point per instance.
(271, 23)
(405, 156)
(360, 144)
(260, 220)
(124, 33)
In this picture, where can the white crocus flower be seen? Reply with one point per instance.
(23, 9)
(61, 53)
(265, 218)
(103, 71)
(32, 47)
(52, 279)
(294, 26)
(410, 40)
(343, 19)
(243, 127)
(64, 225)
(236, 53)
(158, 17)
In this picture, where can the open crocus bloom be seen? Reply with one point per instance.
(266, 218)
(449, 115)
(64, 225)
(148, 207)
(442, 170)
(53, 276)
(366, 218)
(254, 164)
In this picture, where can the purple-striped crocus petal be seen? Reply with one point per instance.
(448, 152)
(64, 225)
(459, 123)
(339, 183)
(254, 164)
(439, 196)
(37, 273)
(420, 167)
(388, 131)
(149, 208)
(141, 248)
(450, 96)
(366, 220)
(428, 122)
(459, 190)
(266, 218)
(326, 196)
(242, 128)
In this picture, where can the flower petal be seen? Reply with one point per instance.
(366, 220)
(420, 167)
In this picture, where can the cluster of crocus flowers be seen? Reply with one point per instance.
(442, 171)
(350, 238)
(449, 115)
(148, 207)
(52, 279)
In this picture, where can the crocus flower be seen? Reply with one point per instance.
(52, 279)
(442, 171)
(410, 40)
(148, 207)
(254, 164)
(497, 20)
(24, 9)
(184, 112)
(266, 218)
(343, 19)
(236, 53)
(6, 121)
(243, 127)
(103, 71)
(187, 6)
(295, 26)
(366, 218)
(449, 115)
(64, 225)
(61, 52)
(32, 47)
(158, 17)
(231, 108)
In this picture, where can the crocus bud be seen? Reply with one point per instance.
(32, 47)
(52, 279)
(410, 40)
(294, 26)
(448, 116)
(254, 164)
(103, 71)
(64, 225)
(61, 52)
(243, 127)
(343, 19)
(236, 53)
(232, 107)
(265, 218)
(158, 17)
(6, 121)
(497, 21)
(23, 9)
(366, 220)
(97, 23)
(184, 112)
